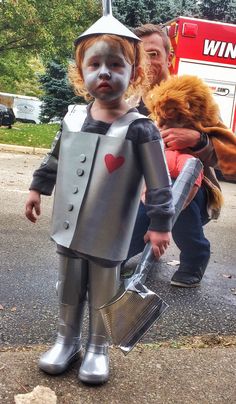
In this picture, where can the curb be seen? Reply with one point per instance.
(23, 149)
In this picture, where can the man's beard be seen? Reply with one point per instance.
(155, 76)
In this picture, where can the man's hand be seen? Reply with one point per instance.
(159, 241)
(33, 205)
(180, 138)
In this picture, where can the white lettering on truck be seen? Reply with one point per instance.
(224, 49)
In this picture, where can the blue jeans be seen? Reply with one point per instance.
(187, 232)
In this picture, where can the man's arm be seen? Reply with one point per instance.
(193, 141)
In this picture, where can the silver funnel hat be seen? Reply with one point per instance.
(107, 24)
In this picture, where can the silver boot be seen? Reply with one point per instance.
(103, 285)
(72, 288)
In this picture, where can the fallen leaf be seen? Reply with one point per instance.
(1, 307)
(227, 276)
(13, 309)
(173, 263)
(40, 394)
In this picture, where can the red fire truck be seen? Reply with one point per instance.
(207, 49)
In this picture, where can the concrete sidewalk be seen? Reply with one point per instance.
(149, 374)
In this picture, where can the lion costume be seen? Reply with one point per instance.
(186, 101)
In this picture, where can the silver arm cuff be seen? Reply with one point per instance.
(154, 165)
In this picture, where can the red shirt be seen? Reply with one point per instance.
(175, 162)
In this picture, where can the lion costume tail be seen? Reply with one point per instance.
(224, 142)
(215, 197)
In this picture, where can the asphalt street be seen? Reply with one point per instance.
(28, 270)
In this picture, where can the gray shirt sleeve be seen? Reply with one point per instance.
(44, 178)
(160, 209)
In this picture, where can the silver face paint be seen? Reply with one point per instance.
(106, 73)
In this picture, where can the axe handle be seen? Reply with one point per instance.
(181, 189)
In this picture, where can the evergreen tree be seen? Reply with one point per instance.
(189, 8)
(58, 92)
(133, 13)
(218, 10)
(167, 10)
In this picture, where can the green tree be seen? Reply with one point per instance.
(218, 10)
(133, 13)
(136, 12)
(45, 26)
(189, 8)
(19, 74)
(19, 26)
(167, 10)
(29, 28)
(58, 93)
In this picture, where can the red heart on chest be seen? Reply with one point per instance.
(113, 163)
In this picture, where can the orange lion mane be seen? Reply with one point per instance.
(187, 102)
(183, 101)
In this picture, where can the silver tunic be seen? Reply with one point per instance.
(98, 189)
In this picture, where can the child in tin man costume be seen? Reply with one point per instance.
(98, 161)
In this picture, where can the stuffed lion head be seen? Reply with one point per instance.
(183, 101)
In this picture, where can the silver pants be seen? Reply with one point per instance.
(77, 277)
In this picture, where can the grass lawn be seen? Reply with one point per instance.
(28, 134)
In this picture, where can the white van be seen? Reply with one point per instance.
(26, 108)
